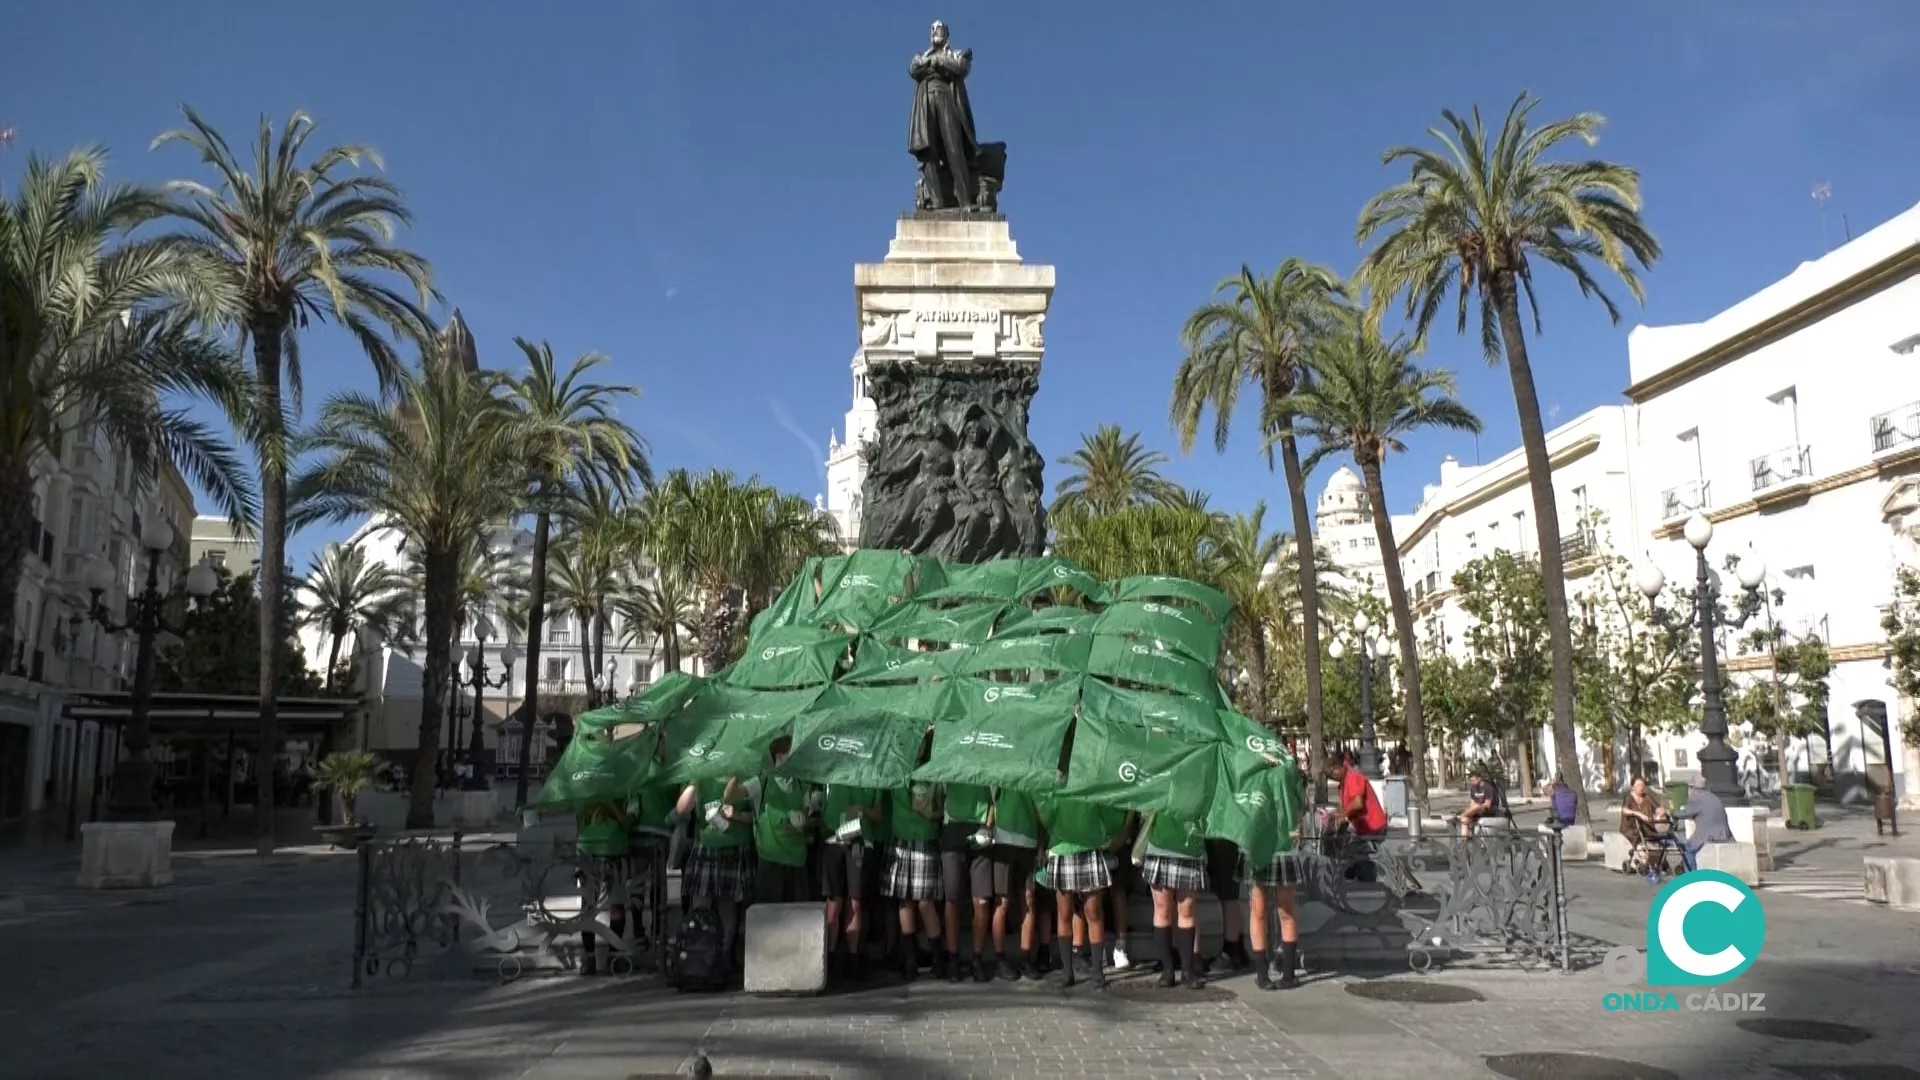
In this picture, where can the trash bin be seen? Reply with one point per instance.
(1800, 806)
(1676, 794)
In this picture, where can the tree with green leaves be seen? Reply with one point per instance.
(658, 611)
(1901, 624)
(344, 592)
(1502, 593)
(575, 437)
(83, 347)
(1365, 396)
(1111, 471)
(276, 245)
(1457, 699)
(1256, 331)
(1145, 538)
(442, 461)
(1473, 219)
(213, 653)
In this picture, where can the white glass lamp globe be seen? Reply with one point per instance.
(1361, 624)
(1336, 649)
(482, 628)
(202, 580)
(473, 659)
(1752, 572)
(156, 534)
(97, 573)
(1382, 648)
(1649, 579)
(510, 656)
(1699, 532)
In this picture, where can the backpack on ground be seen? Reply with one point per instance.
(697, 958)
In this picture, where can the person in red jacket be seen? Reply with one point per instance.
(1359, 805)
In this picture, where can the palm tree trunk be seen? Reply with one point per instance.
(441, 603)
(267, 335)
(1546, 517)
(16, 490)
(1309, 614)
(536, 619)
(333, 659)
(1257, 667)
(1403, 629)
(586, 662)
(608, 693)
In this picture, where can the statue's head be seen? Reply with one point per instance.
(939, 37)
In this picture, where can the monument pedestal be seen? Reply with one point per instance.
(126, 854)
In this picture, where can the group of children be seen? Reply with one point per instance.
(1041, 884)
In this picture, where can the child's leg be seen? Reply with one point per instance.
(1091, 906)
(1063, 932)
(1186, 937)
(1163, 915)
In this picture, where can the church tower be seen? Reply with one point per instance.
(1343, 528)
(846, 469)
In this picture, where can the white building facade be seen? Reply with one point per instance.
(846, 468)
(1792, 421)
(1343, 528)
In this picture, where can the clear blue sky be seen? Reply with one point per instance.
(686, 186)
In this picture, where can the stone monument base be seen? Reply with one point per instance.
(786, 946)
(126, 854)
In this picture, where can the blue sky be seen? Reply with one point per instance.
(686, 186)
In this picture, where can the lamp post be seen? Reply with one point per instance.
(1717, 758)
(133, 772)
(1366, 648)
(477, 679)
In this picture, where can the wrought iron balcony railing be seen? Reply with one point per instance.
(1577, 546)
(1896, 428)
(1683, 499)
(1782, 466)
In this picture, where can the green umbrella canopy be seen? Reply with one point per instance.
(877, 661)
(1178, 715)
(1139, 767)
(725, 731)
(1180, 627)
(1214, 603)
(595, 769)
(794, 603)
(858, 589)
(997, 580)
(787, 657)
(1051, 572)
(1001, 734)
(1050, 619)
(1256, 806)
(657, 702)
(863, 736)
(965, 622)
(1149, 664)
(1044, 654)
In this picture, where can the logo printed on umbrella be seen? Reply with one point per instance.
(1251, 798)
(774, 651)
(989, 739)
(699, 749)
(1129, 772)
(842, 744)
(1021, 642)
(1263, 746)
(1167, 610)
(995, 693)
(858, 581)
(585, 774)
(1062, 572)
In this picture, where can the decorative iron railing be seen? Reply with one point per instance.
(1781, 466)
(1683, 499)
(1577, 546)
(1896, 427)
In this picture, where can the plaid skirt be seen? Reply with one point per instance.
(1173, 872)
(913, 871)
(1081, 872)
(722, 873)
(1285, 869)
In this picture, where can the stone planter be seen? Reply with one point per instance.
(345, 837)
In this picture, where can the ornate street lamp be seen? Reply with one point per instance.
(1366, 648)
(477, 679)
(133, 772)
(1717, 758)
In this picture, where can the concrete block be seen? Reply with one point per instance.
(1750, 826)
(126, 854)
(1576, 845)
(1617, 852)
(1893, 881)
(786, 948)
(471, 809)
(1740, 860)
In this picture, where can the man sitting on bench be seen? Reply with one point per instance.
(1483, 800)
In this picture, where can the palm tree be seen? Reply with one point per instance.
(345, 592)
(1111, 471)
(1145, 538)
(274, 250)
(1257, 330)
(81, 346)
(1365, 396)
(576, 434)
(1246, 552)
(1471, 219)
(443, 463)
(656, 608)
(584, 575)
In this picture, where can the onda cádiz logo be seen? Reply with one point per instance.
(1129, 772)
(1705, 928)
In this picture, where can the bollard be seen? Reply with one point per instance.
(360, 893)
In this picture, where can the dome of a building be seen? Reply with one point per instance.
(1345, 499)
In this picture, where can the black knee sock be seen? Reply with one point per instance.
(1064, 947)
(1188, 964)
(1099, 966)
(1289, 962)
(1163, 946)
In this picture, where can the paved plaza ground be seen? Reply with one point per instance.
(242, 968)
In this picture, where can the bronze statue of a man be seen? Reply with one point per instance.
(940, 133)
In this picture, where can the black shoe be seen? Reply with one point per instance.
(1289, 964)
(1166, 980)
(1195, 981)
(982, 968)
(1008, 968)
(1263, 974)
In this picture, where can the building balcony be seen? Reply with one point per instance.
(1683, 499)
(1784, 466)
(1896, 429)
(1578, 545)
(46, 546)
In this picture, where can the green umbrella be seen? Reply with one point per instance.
(967, 622)
(725, 731)
(594, 769)
(863, 736)
(1001, 734)
(657, 702)
(857, 590)
(1180, 627)
(1215, 603)
(1044, 653)
(1152, 665)
(876, 661)
(1050, 619)
(1185, 717)
(997, 580)
(1136, 767)
(794, 603)
(1053, 572)
(787, 657)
